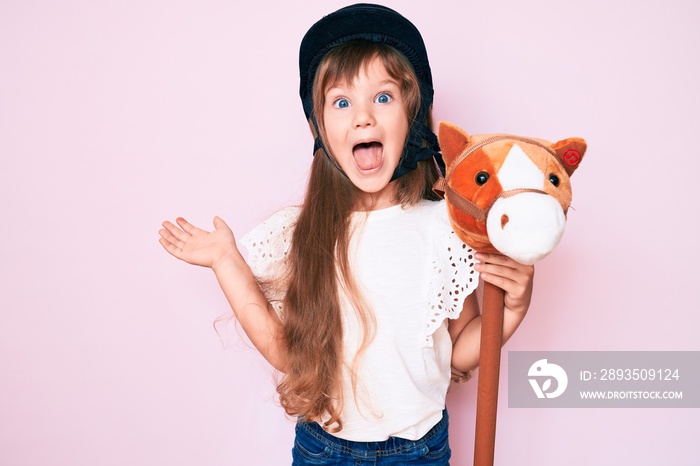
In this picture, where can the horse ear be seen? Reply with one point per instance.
(453, 140)
(570, 151)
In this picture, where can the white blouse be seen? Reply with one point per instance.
(413, 273)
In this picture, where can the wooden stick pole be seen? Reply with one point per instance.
(489, 369)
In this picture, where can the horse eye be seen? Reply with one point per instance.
(554, 179)
(481, 178)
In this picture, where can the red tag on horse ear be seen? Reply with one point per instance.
(571, 158)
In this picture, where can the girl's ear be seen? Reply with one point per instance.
(453, 140)
(570, 151)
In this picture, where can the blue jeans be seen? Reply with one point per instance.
(315, 446)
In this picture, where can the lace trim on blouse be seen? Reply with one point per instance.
(268, 247)
(453, 278)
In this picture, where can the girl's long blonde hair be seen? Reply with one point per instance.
(319, 267)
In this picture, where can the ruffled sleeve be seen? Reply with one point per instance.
(268, 246)
(453, 276)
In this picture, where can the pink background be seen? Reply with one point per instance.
(117, 115)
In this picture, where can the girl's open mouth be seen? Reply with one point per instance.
(368, 155)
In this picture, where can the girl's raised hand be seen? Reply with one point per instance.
(196, 246)
(513, 277)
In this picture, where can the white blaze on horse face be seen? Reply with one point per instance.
(518, 171)
(526, 226)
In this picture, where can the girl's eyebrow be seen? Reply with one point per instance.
(338, 87)
(390, 81)
(335, 88)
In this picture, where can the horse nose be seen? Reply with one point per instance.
(525, 226)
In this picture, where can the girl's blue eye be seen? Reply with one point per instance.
(341, 103)
(383, 98)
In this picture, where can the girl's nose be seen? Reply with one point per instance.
(363, 116)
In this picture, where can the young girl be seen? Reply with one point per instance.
(349, 295)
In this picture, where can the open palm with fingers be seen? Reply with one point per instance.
(196, 246)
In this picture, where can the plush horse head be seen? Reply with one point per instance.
(508, 194)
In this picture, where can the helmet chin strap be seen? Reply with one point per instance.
(318, 144)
